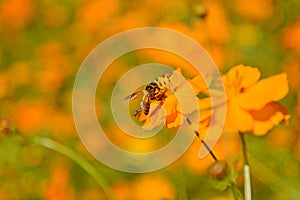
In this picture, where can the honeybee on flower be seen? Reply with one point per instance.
(168, 100)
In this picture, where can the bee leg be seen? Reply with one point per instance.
(137, 112)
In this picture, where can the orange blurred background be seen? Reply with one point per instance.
(42, 45)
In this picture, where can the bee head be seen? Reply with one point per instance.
(152, 88)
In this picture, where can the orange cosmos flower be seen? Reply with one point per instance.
(152, 187)
(251, 103)
(180, 101)
(16, 14)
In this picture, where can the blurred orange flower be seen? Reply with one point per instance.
(148, 187)
(56, 66)
(56, 16)
(57, 187)
(93, 14)
(173, 113)
(292, 69)
(3, 85)
(254, 9)
(251, 103)
(291, 37)
(32, 116)
(217, 21)
(122, 190)
(153, 187)
(16, 14)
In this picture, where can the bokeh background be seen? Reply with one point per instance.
(43, 43)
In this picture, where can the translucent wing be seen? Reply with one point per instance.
(144, 105)
(146, 101)
(134, 95)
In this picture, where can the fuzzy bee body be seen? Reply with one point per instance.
(155, 90)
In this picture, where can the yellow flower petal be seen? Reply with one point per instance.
(205, 108)
(174, 120)
(267, 111)
(186, 98)
(198, 84)
(204, 123)
(262, 127)
(156, 117)
(268, 117)
(176, 80)
(170, 104)
(237, 119)
(141, 116)
(265, 91)
(204, 114)
(204, 103)
(244, 76)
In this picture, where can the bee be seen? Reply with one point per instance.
(155, 90)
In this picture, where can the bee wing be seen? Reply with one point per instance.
(146, 100)
(145, 104)
(133, 95)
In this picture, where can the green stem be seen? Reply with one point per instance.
(247, 180)
(236, 192)
(84, 164)
(202, 141)
(245, 148)
(209, 150)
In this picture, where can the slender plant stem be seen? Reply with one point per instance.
(245, 148)
(209, 150)
(236, 192)
(83, 163)
(203, 142)
(247, 182)
(247, 179)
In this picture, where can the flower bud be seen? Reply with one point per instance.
(200, 11)
(218, 170)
